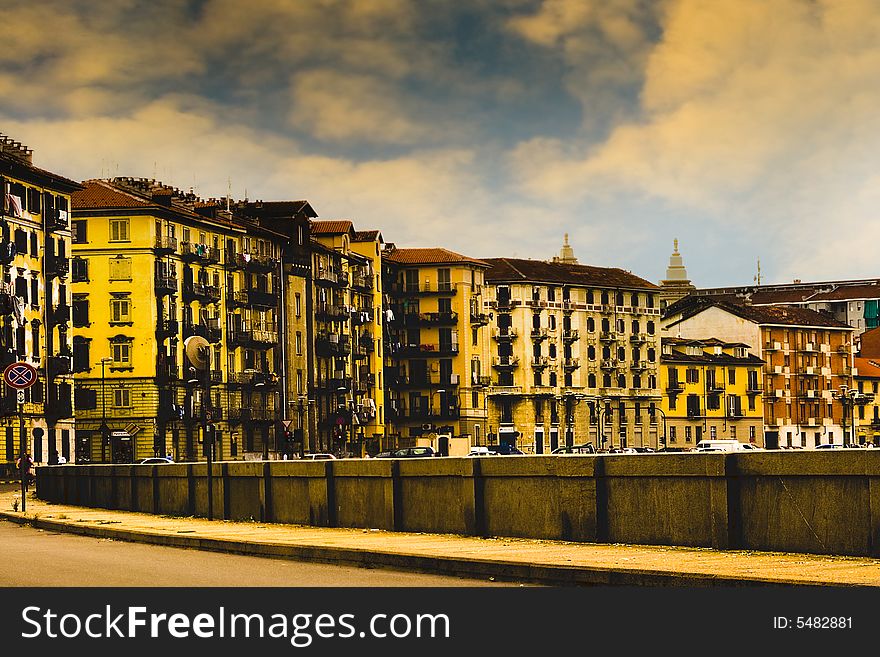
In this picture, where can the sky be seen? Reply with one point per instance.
(746, 129)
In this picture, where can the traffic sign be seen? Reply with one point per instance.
(20, 375)
(19, 396)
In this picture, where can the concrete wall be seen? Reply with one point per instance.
(825, 503)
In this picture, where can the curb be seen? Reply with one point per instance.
(546, 574)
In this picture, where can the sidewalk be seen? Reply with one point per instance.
(525, 560)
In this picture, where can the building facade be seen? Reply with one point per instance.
(436, 346)
(711, 390)
(807, 358)
(575, 352)
(171, 266)
(347, 378)
(35, 296)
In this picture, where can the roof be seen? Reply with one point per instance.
(846, 292)
(332, 227)
(511, 270)
(279, 208)
(430, 256)
(773, 315)
(868, 368)
(101, 194)
(23, 169)
(367, 236)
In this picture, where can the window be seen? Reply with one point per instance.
(591, 324)
(35, 246)
(650, 328)
(121, 398)
(299, 344)
(713, 432)
(731, 376)
(752, 433)
(81, 360)
(119, 230)
(672, 434)
(120, 353)
(80, 312)
(733, 432)
(21, 241)
(297, 304)
(35, 292)
(120, 269)
(80, 269)
(120, 310)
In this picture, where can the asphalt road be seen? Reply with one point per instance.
(33, 557)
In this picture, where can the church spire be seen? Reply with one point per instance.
(566, 254)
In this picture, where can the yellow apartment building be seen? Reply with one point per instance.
(35, 300)
(170, 265)
(347, 377)
(437, 346)
(711, 390)
(575, 351)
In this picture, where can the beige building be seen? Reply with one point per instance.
(575, 351)
(436, 346)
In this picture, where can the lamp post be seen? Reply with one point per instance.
(301, 405)
(199, 354)
(849, 398)
(105, 430)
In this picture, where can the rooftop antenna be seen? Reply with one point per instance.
(228, 192)
(757, 278)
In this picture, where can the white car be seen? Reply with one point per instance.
(318, 457)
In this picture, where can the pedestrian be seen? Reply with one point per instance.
(28, 467)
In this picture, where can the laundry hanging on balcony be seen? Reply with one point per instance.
(13, 205)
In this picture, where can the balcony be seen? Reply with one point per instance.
(251, 378)
(571, 363)
(505, 335)
(539, 362)
(59, 315)
(714, 387)
(567, 306)
(481, 381)
(332, 344)
(59, 366)
(811, 371)
(429, 350)
(168, 371)
(362, 282)
(325, 277)
(57, 266)
(479, 319)
(255, 263)
(361, 316)
(165, 244)
(811, 347)
(56, 219)
(165, 285)
(331, 312)
(252, 414)
(439, 289)
(639, 365)
(539, 334)
(428, 414)
(167, 327)
(607, 336)
(430, 319)
(638, 338)
(265, 336)
(569, 335)
(192, 252)
(772, 346)
(753, 388)
(609, 364)
(427, 381)
(504, 391)
(675, 387)
(503, 305)
(505, 362)
(259, 298)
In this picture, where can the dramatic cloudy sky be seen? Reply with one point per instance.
(746, 129)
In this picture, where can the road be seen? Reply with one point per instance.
(33, 557)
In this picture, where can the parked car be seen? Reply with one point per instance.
(586, 448)
(504, 450)
(155, 460)
(481, 451)
(829, 446)
(318, 457)
(722, 445)
(413, 452)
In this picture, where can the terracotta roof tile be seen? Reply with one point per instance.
(845, 292)
(331, 227)
(867, 367)
(429, 256)
(764, 315)
(513, 270)
(99, 194)
(367, 236)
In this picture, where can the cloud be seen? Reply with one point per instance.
(336, 106)
(760, 116)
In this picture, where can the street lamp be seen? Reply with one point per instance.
(105, 430)
(849, 398)
(301, 405)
